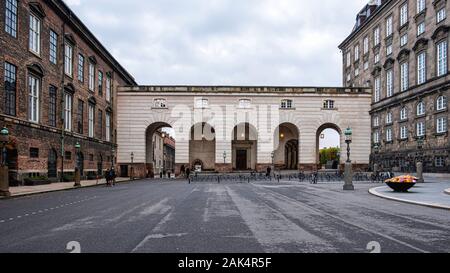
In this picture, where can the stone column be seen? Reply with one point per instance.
(4, 181)
(419, 167)
(348, 177)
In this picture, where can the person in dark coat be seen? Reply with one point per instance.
(107, 177)
(188, 172)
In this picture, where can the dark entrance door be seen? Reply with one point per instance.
(80, 163)
(241, 160)
(52, 164)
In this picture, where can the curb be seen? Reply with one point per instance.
(60, 190)
(447, 191)
(374, 191)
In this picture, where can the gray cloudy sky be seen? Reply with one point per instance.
(224, 42)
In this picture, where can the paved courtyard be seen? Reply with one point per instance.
(150, 216)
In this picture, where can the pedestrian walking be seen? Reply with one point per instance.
(107, 177)
(188, 172)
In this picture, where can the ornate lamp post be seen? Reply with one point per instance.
(419, 164)
(225, 157)
(77, 167)
(348, 174)
(132, 168)
(113, 151)
(273, 162)
(376, 149)
(4, 171)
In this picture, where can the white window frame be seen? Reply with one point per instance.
(377, 89)
(286, 104)
(389, 82)
(376, 137)
(420, 28)
(108, 88)
(34, 86)
(389, 50)
(329, 104)
(349, 59)
(201, 103)
(356, 53)
(245, 103)
(35, 34)
(441, 15)
(366, 45)
(377, 58)
(389, 118)
(404, 132)
(68, 99)
(389, 134)
(420, 109)
(404, 40)
(404, 114)
(442, 60)
(108, 126)
(389, 26)
(441, 103)
(420, 129)
(91, 118)
(160, 103)
(81, 62)
(421, 68)
(376, 36)
(376, 121)
(421, 4)
(53, 47)
(91, 77)
(441, 125)
(404, 76)
(403, 14)
(11, 12)
(68, 59)
(439, 161)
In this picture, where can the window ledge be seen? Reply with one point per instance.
(403, 120)
(441, 134)
(437, 112)
(288, 109)
(329, 109)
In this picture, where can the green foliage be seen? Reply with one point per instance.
(329, 154)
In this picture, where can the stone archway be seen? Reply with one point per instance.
(322, 134)
(244, 147)
(286, 147)
(202, 146)
(155, 155)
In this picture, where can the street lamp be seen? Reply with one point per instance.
(4, 171)
(113, 151)
(348, 174)
(419, 164)
(77, 168)
(273, 161)
(376, 149)
(225, 157)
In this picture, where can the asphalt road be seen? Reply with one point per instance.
(154, 217)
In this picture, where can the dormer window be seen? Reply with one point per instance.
(160, 103)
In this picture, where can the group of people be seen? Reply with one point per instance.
(110, 176)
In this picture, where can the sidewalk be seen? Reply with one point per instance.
(427, 194)
(30, 190)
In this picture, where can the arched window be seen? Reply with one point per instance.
(421, 109)
(441, 103)
(404, 114)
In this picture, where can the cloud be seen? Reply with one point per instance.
(224, 42)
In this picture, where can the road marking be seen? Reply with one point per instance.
(350, 223)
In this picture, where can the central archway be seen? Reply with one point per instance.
(328, 146)
(286, 150)
(244, 147)
(202, 148)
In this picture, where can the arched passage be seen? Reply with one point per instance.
(202, 147)
(159, 150)
(328, 146)
(244, 147)
(286, 149)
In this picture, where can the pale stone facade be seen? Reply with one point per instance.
(296, 114)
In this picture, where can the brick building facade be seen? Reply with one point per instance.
(58, 90)
(400, 49)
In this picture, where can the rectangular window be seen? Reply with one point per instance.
(91, 76)
(441, 15)
(389, 83)
(403, 132)
(420, 129)
(421, 68)
(376, 58)
(389, 135)
(81, 68)
(366, 45)
(202, 103)
(349, 59)
(328, 104)
(420, 28)
(91, 120)
(10, 89)
(442, 58)
(388, 50)
(80, 119)
(108, 88)
(68, 112)
(376, 122)
(389, 118)
(441, 125)
(356, 72)
(404, 74)
(377, 89)
(100, 83)
(108, 126)
(403, 14)
(376, 137)
(439, 161)
(376, 36)
(11, 17)
(34, 152)
(68, 60)
(53, 47)
(35, 34)
(389, 27)
(420, 6)
(356, 53)
(100, 124)
(404, 39)
(33, 98)
(52, 101)
(366, 65)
